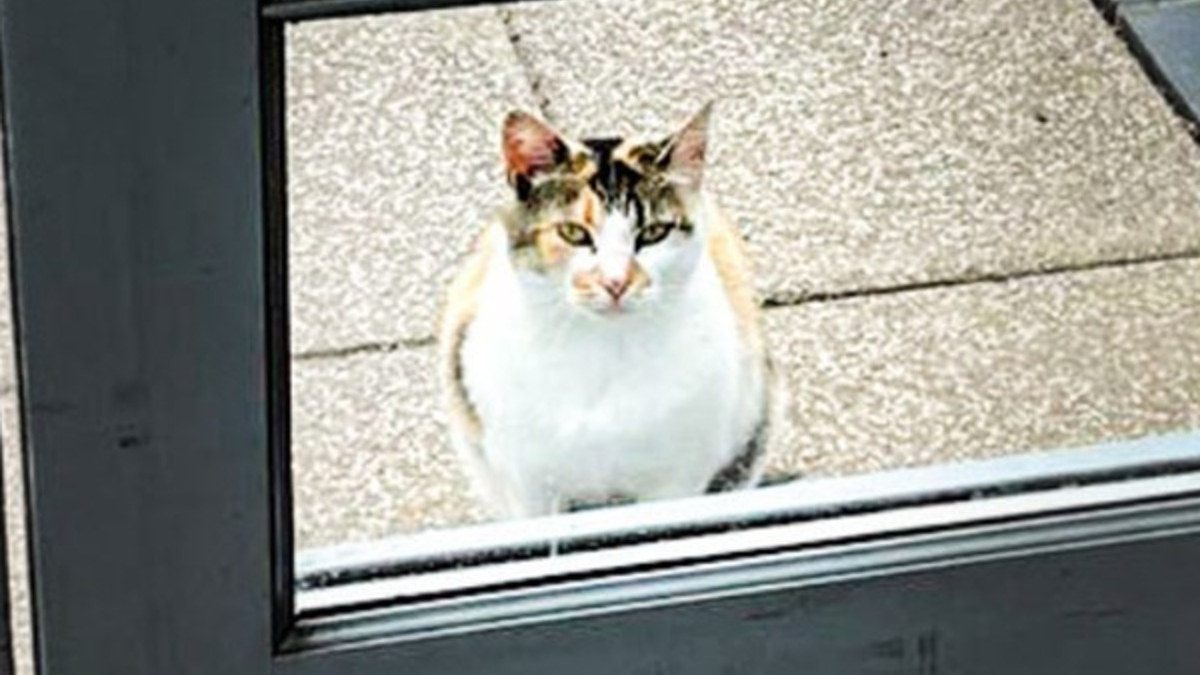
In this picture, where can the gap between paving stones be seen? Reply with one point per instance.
(794, 299)
(531, 77)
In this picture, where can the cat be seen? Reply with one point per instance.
(603, 343)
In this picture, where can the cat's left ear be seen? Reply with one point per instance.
(684, 152)
(530, 145)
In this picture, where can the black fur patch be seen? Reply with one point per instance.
(456, 372)
(738, 471)
(615, 182)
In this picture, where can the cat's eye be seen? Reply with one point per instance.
(653, 233)
(574, 234)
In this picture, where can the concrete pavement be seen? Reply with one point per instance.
(865, 148)
(876, 382)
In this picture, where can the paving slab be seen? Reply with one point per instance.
(21, 637)
(860, 145)
(393, 165)
(876, 382)
(990, 369)
(369, 450)
(15, 533)
(876, 143)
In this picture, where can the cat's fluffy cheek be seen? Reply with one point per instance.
(585, 289)
(581, 288)
(554, 253)
(672, 265)
(581, 285)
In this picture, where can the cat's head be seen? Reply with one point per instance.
(607, 225)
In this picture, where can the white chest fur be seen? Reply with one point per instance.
(587, 408)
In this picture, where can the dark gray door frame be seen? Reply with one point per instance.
(135, 178)
(145, 174)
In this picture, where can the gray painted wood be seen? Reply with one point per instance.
(133, 131)
(1119, 609)
(772, 560)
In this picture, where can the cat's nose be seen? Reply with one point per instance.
(616, 286)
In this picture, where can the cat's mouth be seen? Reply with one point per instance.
(608, 308)
(613, 309)
(602, 305)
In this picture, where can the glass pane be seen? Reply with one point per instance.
(974, 227)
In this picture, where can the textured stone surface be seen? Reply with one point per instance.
(879, 142)
(993, 368)
(876, 382)
(393, 165)
(14, 486)
(369, 453)
(14, 522)
(860, 145)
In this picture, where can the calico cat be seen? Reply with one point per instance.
(603, 343)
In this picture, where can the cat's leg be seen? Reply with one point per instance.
(488, 487)
(526, 496)
(745, 469)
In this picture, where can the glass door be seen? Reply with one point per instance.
(160, 196)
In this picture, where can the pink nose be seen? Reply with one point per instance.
(615, 287)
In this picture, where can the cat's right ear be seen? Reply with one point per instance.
(531, 147)
(683, 154)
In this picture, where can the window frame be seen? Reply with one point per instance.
(145, 155)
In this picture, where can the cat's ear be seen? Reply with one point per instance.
(683, 154)
(530, 146)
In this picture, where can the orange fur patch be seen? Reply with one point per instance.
(728, 253)
(638, 279)
(585, 282)
(462, 300)
(551, 248)
(589, 209)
